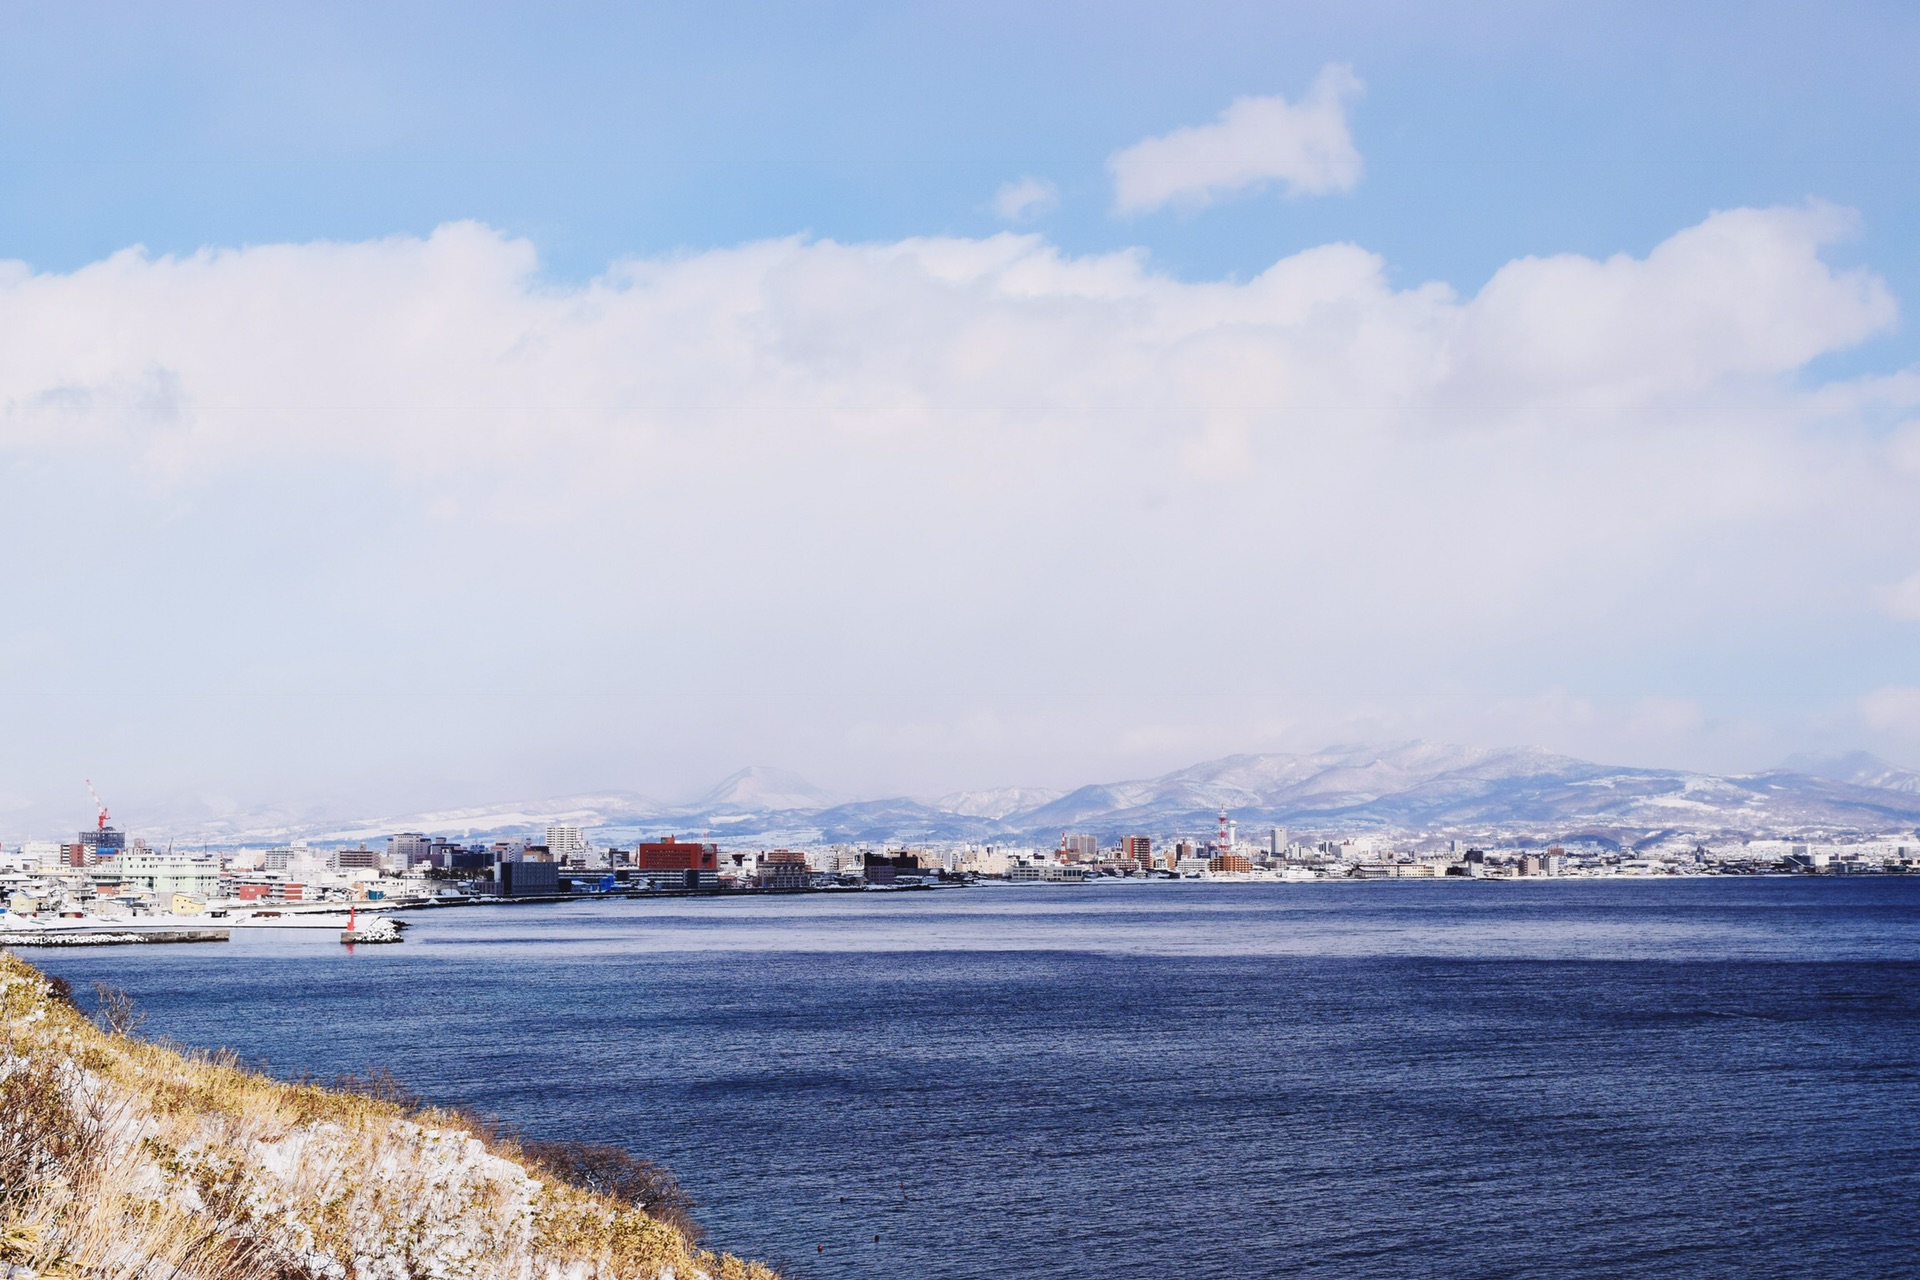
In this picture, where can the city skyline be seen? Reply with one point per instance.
(1425, 793)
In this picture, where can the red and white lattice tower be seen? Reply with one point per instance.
(1224, 844)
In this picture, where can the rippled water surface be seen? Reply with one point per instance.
(1703, 1078)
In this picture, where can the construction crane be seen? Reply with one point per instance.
(99, 804)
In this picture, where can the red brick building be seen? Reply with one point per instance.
(675, 855)
(269, 891)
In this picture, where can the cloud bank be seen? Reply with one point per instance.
(936, 512)
(1306, 146)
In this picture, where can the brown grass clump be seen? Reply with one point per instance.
(609, 1171)
(129, 1160)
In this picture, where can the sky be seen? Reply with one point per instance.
(409, 406)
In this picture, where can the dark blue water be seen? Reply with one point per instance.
(1706, 1078)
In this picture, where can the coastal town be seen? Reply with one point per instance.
(100, 882)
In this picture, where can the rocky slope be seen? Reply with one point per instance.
(125, 1159)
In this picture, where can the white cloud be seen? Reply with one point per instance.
(1025, 199)
(1903, 448)
(763, 492)
(1255, 141)
(1901, 599)
(1647, 328)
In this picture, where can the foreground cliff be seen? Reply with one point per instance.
(125, 1159)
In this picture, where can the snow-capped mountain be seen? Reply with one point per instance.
(1429, 787)
(997, 803)
(1409, 788)
(759, 789)
(1858, 767)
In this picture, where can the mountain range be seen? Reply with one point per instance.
(1411, 788)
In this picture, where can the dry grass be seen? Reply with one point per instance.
(131, 1160)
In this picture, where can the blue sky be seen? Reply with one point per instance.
(1491, 130)
(1706, 564)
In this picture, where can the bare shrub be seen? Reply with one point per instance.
(381, 1085)
(490, 1129)
(61, 990)
(117, 1013)
(613, 1172)
(45, 1138)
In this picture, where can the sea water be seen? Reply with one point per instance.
(1711, 1077)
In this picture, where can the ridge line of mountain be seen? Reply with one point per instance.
(1408, 787)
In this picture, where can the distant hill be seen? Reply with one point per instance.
(997, 803)
(1430, 787)
(1411, 787)
(1858, 767)
(759, 789)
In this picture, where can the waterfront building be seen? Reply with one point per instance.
(1396, 871)
(1079, 848)
(985, 862)
(164, 875)
(671, 854)
(269, 888)
(1137, 849)
(884, 868)
(782, 869)
(359, 859)
(1025, 872)
(527, 879)
(674, 863)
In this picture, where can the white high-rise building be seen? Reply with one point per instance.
(565, 840)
